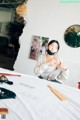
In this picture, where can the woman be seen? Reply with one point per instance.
(49, 66)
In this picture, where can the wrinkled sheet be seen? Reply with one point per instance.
(35, 101)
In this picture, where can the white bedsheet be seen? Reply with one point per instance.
(35, 101)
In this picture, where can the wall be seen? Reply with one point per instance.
(47, 18)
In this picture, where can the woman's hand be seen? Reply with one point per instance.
(62, 65)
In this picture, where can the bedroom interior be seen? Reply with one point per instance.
(51, 23)
(24, 96)
(18, 63)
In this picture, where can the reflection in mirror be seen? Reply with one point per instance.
(11, 27)
(72, 36)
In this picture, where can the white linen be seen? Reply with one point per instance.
(35, 101)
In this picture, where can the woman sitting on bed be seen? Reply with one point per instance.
(49, 66)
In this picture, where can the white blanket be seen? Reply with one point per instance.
(35, 101)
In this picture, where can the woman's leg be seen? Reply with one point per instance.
(56, 81)
(40, 77)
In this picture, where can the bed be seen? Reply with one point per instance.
(35, 101)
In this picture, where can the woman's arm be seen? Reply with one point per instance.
(64, 72)
(40, 66)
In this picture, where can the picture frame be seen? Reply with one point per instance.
(38, 46)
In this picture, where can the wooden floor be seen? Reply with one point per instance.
(6, 62)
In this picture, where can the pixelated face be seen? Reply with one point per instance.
(53, 47)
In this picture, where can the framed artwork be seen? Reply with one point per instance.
(72, 36)
(38, 46)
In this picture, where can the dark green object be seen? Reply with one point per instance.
(72, 36)
(4, 79)
(6, 94)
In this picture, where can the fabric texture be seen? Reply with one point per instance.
(35, 101)
(50, 72)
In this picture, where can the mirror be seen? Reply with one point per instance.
(72, 36)
(11, 27)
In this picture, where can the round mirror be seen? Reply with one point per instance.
(72, 36)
